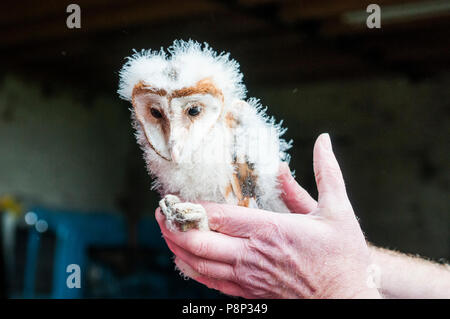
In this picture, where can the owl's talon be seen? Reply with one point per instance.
(184, 216)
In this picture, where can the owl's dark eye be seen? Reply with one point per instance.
(156, 114)
(194, 111)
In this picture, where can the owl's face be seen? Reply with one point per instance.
(176, 122)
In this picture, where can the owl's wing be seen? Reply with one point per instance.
(243, 182)
(243, 185)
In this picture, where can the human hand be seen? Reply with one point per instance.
(319, 251)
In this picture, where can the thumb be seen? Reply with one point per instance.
(329, 179)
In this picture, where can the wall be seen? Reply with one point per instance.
(392, 140)
(60, 149)
(75, 151)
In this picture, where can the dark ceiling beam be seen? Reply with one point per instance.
(13, 13)
(254, 3)
(270, 53)
(106, 18)
(293, 11)
(225, 30)
(267, 56)
(334, 26)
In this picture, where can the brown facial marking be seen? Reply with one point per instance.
(142, 88)
(204, 86)
(165, 127)
(139, 89)
(145, 113)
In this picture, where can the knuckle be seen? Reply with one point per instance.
(234, 276)
(259, 284)
(243, 263)
(201, 267)
(270, 232)
(217, 218)
(199, 248)
(329, 172)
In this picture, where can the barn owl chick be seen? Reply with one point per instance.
(202, 140)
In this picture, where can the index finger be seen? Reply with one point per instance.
(205, 244)
(294, 196)
(236, 221)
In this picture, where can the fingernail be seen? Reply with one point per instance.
(326, 142)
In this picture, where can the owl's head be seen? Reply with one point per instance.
(180, 95)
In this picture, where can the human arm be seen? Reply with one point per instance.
(405, 276)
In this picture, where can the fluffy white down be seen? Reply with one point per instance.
(257, 139)
(191, 61)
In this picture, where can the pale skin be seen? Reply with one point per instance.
(318, 251)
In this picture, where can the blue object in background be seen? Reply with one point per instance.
(75, 233)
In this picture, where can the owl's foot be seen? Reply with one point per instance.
(185, 216)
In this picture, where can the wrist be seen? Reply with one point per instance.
(351, 289)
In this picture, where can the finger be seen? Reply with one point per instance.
(294, 196)
(205, 244)
(329, 179)
(185, 269)
(204, 267)
(224, 286)
(237, 221)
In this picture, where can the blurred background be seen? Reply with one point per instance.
(73, 186)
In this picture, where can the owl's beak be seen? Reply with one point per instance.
(175, 152)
